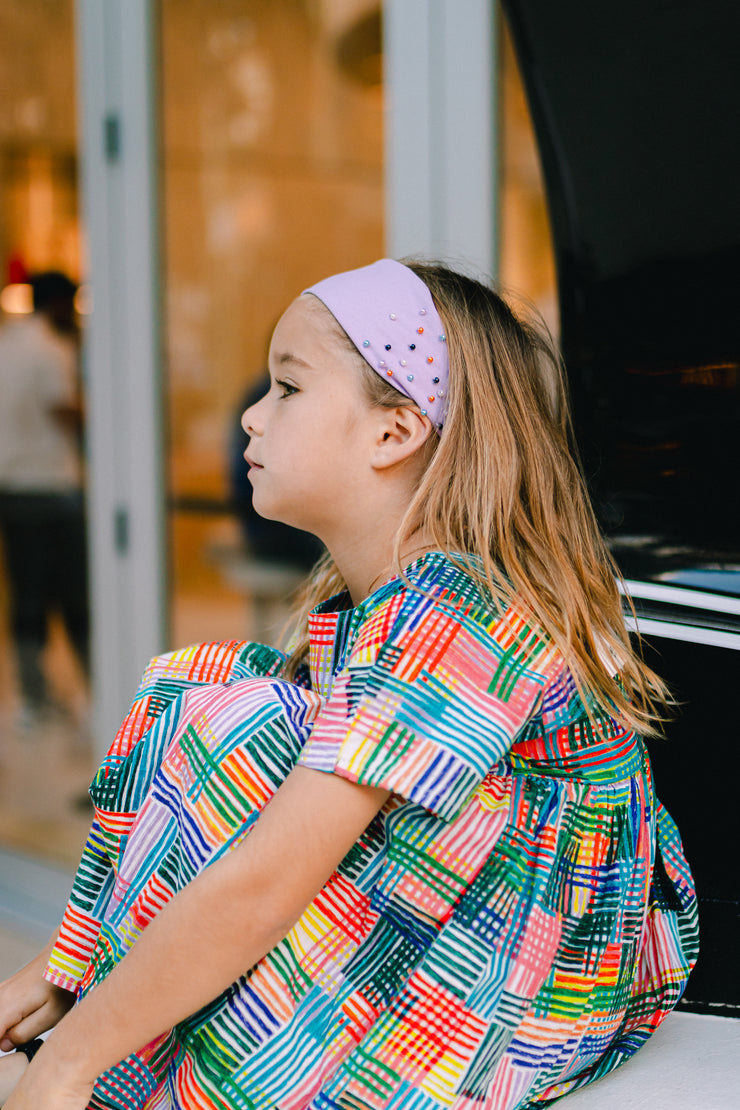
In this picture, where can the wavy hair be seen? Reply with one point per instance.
(503, 482)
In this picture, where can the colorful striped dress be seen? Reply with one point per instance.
(514, 923)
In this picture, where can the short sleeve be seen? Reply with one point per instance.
(427, 708)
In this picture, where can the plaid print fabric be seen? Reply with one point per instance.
(515, 922)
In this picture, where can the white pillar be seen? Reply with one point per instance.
(117, 112)
(441, 131)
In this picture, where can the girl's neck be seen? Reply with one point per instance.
(365, 570)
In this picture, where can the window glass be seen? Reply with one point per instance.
(272, 178)
(44, 712)
(640, 146)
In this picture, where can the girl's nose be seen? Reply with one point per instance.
(250, 420)
(245, 421)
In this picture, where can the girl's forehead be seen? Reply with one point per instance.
(305, 326)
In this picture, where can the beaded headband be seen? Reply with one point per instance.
(388, 313)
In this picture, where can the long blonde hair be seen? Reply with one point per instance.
(503, 482)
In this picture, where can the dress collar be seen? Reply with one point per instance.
(333, 623)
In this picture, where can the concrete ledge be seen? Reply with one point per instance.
(691, 1063)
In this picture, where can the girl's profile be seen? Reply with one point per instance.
(416, 860)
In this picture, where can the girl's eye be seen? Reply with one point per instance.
(286, 389)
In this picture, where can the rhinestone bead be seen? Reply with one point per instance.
(436, 381)
(409, 377)
(366, 342)
(403, 362)
(392, 316)
(412, 346)
(387, 346)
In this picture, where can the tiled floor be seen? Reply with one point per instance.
(44, 775)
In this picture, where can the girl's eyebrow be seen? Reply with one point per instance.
(287, 357)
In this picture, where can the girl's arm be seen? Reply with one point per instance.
(222, 923)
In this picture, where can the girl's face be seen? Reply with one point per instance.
(311, 436)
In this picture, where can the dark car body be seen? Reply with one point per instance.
(636, 108)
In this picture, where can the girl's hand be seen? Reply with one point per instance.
(29, 1005)
(46, 1088)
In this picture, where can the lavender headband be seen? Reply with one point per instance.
(388, 313)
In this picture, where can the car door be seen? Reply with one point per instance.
(636, 109)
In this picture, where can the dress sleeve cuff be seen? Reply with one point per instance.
(73, 950)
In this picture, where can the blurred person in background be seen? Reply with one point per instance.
(42, 516)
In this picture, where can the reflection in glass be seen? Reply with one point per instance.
(641, 155)
(273, 177)
(44, 741)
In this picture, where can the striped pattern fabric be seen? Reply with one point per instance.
(514, 923)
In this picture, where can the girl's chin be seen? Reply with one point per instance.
(268, 512)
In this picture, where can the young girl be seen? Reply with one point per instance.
(463, 892)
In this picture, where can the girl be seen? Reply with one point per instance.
(463, 892)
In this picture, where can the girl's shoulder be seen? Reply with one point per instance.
(442, 599)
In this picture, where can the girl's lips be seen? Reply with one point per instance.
(251, 463)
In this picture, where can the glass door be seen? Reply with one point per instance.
(272, 176)
(44, 620)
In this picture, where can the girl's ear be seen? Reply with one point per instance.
(402, 431)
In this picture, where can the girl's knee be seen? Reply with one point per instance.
(250, 704)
